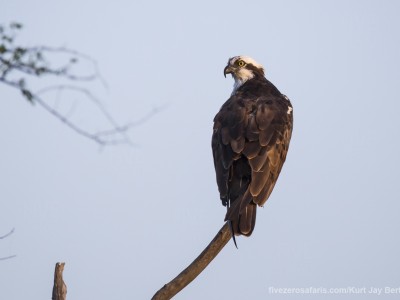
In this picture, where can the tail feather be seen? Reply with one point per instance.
(247, 219)
(242, 215)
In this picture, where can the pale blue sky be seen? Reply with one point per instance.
(126, 220)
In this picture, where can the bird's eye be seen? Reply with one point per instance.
(241, 63)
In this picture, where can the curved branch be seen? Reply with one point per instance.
(30, 67)
(89, 95)
(7, 234)
(76, 128)
(3, 237)
(7, 257)
(196, 267)
(115, 135)
(126, 127)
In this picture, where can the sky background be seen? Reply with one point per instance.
(127, 219)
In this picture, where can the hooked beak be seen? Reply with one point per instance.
(228, 70)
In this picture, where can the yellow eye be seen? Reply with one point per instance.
(241, 63)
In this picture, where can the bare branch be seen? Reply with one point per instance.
(59, 287)
(65, 120)
(196, 267)
(103, 138)
(18, 64)
(3, 237)
(84, 91)
(7, 257)
(33, 61)
(126, 127)
(34, 98)
(7, 234)
(10, 83)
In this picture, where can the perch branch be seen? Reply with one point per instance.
(196, 267)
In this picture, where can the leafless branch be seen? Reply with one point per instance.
(196, 267)
(74, 53)
(67, 122)
(59, 287)
(19, 64)
(7, 234)
(7, 257)
(126, 127)
(3, 237)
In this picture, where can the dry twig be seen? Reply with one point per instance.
(18, 65)
(3, 237)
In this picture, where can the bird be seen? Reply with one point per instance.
(250, 141)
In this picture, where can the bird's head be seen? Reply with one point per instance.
(243, 68)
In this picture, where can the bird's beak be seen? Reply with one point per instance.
(228, 70)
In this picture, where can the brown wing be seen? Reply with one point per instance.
(250, 142)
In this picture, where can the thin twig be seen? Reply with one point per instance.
(84, 91)
(61, 50)
(26, 62)
(126, 127)
(10, 83)
(196, 267)
(32, 70)
(3, 237)
(8, 257)
(74, 53)
(74, 127)
(7, 234)
(103, 138)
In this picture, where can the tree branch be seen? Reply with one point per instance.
(126, 127)
(59, 287)
(71, 125)
(196, 267)
(18, 65)
(7, 257)
(7, 234)
(3, 237)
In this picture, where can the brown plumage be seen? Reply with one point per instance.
(250, 141)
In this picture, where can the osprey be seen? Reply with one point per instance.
(250, 141)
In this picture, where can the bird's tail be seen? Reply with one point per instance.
(242, 215)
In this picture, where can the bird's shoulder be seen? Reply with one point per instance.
(253, 97)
